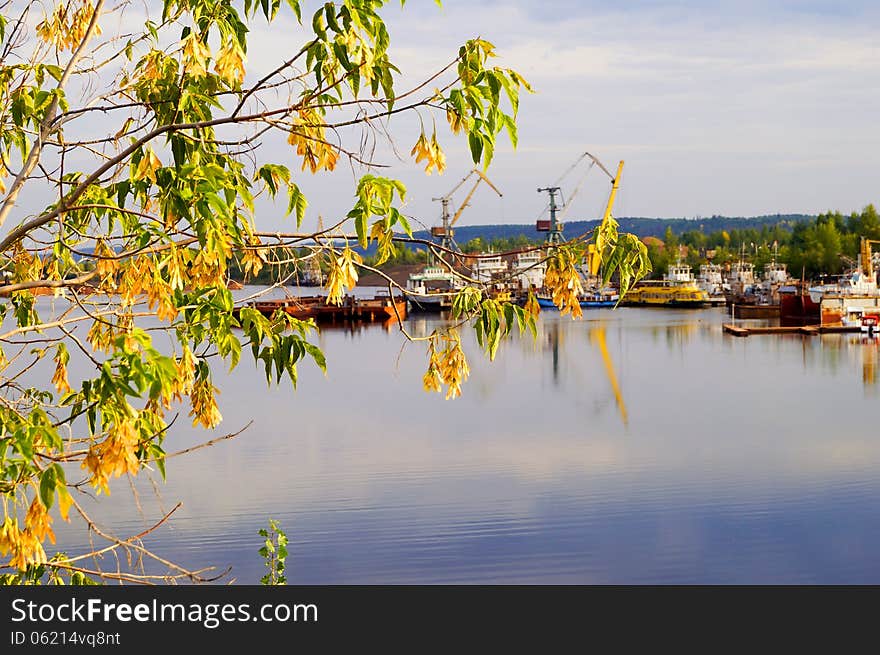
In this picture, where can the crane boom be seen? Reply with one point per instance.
(481, 178)
(445, 231)
(456, 187)
(596, 257)
(578, 161)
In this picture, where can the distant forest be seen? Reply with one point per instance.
(811, 245)
(641, 227)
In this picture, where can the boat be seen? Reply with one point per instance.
(858, 288)
(678, 288)
(663, 293)
(595, 299)
(870, 324)
(711, 281)
(381, 307)
(299, 307)
(529, 269)
(488, 267)
(755, 310)
(740, 284)
(796, 306)
(751, 298)
(432, 289)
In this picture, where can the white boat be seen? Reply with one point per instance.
(432, 288)
(858, 288)
(679, 273)
(855, 283)
(489, 267)
(741, 277)
(711, 281)
(529, 269)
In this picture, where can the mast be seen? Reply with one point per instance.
(446, 239)
(554, 235)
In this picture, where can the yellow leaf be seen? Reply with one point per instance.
(532, 306)
(64, 502)
(147, 166)
(195, 56)
(38, 522)
(307, 134)
(230, 63)
(59, 379)
(430, 152)
(343, 273)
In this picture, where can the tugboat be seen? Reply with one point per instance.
(678, 288)
(856, 289)
(741, 284)
(762, 299)
(433, 288)
(711, 281)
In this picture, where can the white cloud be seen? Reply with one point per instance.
(742, 108)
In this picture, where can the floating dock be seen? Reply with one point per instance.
(809, 330)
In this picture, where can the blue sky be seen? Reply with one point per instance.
(734, 108)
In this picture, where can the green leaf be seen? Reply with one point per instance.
(360, 223)
(476, 145)
(510, 124)
(48, 482)
(295, 6)
(296, 202)
(488, 150)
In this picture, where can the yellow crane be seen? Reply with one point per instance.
(445, 231)
(866, 254)
(594, 258)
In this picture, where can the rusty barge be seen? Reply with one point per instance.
(379, 308)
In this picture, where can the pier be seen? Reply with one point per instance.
(740, 331)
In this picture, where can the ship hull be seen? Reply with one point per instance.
(755, 311)
(547, 303)
(797, 307)
(429, 303)
(379, 308)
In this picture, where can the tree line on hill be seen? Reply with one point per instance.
(826, 244)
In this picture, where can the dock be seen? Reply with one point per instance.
(809, 330)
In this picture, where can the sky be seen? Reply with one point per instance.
(734, 108)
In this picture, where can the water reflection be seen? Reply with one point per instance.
(731, 461)
(597, 335)
(870, 349)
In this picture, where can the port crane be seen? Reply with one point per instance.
(445, 232)
(866, 256)
(553, 227)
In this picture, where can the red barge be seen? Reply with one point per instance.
(380, 308)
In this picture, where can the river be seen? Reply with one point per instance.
(630, 446)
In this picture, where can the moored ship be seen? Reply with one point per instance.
(677, 289)
(711, 281)
(378, 308)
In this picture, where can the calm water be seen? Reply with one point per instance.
(722, 460)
